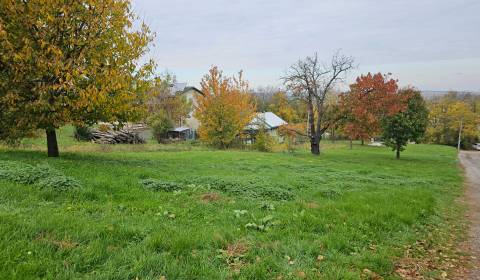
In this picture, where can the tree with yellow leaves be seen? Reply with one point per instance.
(69, 62)
(224, 109)
(447, 116)
(280, 105)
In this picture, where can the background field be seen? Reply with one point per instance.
(330, 216)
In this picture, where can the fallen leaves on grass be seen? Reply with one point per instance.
(234, 255)
(63, 244)
(368, 274)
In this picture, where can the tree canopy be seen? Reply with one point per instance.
(407, 125)
(224, 109)
(447, 115)
(70, 62)
(371, 97)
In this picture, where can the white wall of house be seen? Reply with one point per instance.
(191, 121)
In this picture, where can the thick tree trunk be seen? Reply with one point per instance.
(315, 145)
(52, 145)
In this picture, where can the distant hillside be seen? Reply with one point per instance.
(434, 93)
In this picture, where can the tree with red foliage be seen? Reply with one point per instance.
(370, 98)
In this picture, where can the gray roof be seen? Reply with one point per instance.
(267, 119)
(176, 87)
(180, 88)
(180, 129)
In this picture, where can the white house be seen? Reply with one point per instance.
(189, 126)
(268, 121)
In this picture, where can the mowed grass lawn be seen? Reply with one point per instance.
(230, 214)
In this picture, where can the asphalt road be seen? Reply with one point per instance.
(471, 163)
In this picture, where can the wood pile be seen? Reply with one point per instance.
(123, 136)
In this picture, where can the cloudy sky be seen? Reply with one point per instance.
(431, 44)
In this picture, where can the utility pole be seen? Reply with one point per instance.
(460, 134)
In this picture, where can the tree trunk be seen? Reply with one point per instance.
(52, 145)
(363, 142)
(398, 151)
(351, 143)
(315, 146)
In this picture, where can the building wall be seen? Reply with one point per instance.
(191, 121)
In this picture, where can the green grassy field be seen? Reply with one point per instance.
(221, 214)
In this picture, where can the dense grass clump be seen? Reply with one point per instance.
(43, 175)
(159, 185)
(253, 187)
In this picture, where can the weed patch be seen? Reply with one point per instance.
(159, 185)
(248, 188)
(43, 176)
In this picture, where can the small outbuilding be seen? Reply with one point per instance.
(181, 133)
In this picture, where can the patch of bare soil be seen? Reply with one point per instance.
(209, 197)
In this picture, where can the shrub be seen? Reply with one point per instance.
(263, 141)
(82, 133)
(160, 124)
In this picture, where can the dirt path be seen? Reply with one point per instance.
(471, 163)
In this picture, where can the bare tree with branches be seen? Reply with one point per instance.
(313, 80)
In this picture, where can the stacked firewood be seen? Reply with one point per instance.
(123, 136)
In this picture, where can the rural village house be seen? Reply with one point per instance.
(186, 129)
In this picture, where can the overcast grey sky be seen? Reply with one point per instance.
(430, 44)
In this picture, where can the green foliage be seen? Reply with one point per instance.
(408, 125)
(82, 133)
(43, 176)
(70, 63)
(255, 187)
(158, 185)
(264, 142)
(264, 224)
(160, 124)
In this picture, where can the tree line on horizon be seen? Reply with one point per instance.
(80, 64)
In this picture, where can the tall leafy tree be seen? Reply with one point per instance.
(447, 116)
(371, 98)
(70, 62)
(407, 125)
(225, 108)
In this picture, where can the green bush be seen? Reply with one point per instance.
(160, 124)
(263, 141)
(82, 133)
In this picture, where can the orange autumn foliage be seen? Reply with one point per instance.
(371, 98)
(224, 109)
